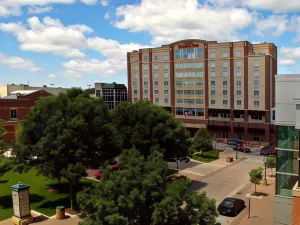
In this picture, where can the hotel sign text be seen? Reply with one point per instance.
(188, 45)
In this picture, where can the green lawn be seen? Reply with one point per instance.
(171, 171)
(205, 156)
(41, 199)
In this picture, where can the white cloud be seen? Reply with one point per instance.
(183, 19)
(104, 2)
(39, 10)
(19, 63)
(106, 16)
(294, 26)
(71, 74)
(290, 53)
(89, 2)
(287, 62)
(52, 76)
(274, 25)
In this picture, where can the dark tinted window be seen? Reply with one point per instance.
(228, 203)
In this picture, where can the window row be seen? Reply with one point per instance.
(166, 58)
(238, 102)
(189, 84)
(238, 93)
(190, 111)
(189, 65)
(155, 83)
(190, 74)
(189, 101)
(156, 100)
(190, 92)
(212, 55)
(189, 53)
(156, 92)
(238, 83)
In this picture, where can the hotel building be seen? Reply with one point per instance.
(226, 87)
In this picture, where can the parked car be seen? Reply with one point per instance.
(268, 150)
(184, 159)
(234, 142)
(242, 149)
(231, 206)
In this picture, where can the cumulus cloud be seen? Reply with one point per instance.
(71, 74)
(19, 63)
(287, 62)
(39, 10)
(183, 19)
(294, 26)
(52, 76)
(106, 16)
(89, 2)
(274, 25)
(104, 2)
(292, 53)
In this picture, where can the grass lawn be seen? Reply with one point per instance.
(41, 199)
(171, 171)
(205, 156)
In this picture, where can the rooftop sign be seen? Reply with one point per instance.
(188, 45)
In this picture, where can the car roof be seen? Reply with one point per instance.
(231, 199)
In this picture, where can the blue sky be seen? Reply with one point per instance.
(73, 43)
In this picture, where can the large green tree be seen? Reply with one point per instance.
(140, 194)
(143, 125)
(201, 142)
(3, 144)
(66, 134)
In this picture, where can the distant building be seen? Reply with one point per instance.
(7, 89)
(15, 107)
(112, 94)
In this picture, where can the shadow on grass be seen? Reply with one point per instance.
(58, 202)
(6, 201)
(64, 188)
(3, 181)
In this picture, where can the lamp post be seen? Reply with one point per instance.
(265, 164)
(249, 204)
(89, 85)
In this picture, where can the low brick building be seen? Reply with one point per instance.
(15, 107)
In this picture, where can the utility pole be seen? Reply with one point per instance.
(51, 85)
(249, 204)
(89, 86)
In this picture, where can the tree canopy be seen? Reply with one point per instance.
(3, 144)
(143, 125)
(140, 194)
(255, 177)
(66, 134)
(201, 142)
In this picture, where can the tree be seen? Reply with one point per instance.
(3, 144)
(143, 125)
(67, 134)
(271, 163)
(201, 142)
(140, 194)
(90, 91)
(256, 177)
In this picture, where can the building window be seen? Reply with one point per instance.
(256, 73)
(156, 92)
(238, 83)
(155, 83)
(256, 83)
(145, 92)
(135, 99)
(212, 92)
(238, 73)
(135, 92)
(179, 101)
(239, 102)
(256, 93)
(273, 115)
(238, 93)
(225, 83)
(200, 84)
(189, 53)
(199, 92)
(166, 101)
(166, 58)
(98, 93)
(225, 54)
(155, 57)
(199, 74)
(134, 83)
(134, 76)
(213, 101)
(145, 58)
(225, 73)
(166, 75)
(166, 66)
(225, 64)
(212, 73)
(256, 116)
(239, 135)
(200, 112)
(225, 102)
(212, 55)
(212, 83)
(225, 92)
(155, 75)
(146, 67)
(199, 101)
(166, 92)
(212, 65)
(238, 54)
(255, 63)
(256, 137)
(146, 75)
(256, 103)
(156, 100)
(155, 67)
(225, 134)
(145, 83)
(146, 99)
(13, 114)
(166, 83)
(238, 64)
(133, 67)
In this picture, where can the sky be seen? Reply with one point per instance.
(74, 43)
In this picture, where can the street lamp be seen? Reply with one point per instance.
(89, 85)
(249, 203)
(265, 163)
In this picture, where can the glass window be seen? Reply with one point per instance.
(225, 83)
(238, 64)
(155, 57)
(179, 101)
(212, 92)
(199, 74)
(199, 92)
(199, 65)
(135, 92)
(146, 99)
(256, 137)
(200, 112)
(166, 100)
(212, 65)
(225, 54)
(199, 101)
(166, 58)
(256, 103)
(255, 63)
(256, 82)
(134, 67)
(146, 75)
(212, 73)
(156, 100)
(225, 102)
(225, 73)
(134, 83)
(238, 54)
(166, 66)
(177, 52)
(239, 102)
(146, 83)
(225, 64)
(212, 55)
(166, 92)
(200, 84)
(225, 92)
(155, 67)
(146, 67)
(135, 99)
(156, 75)
(155, 83)
(166, 75)
(238, 93)
(238, 83)
(179, 84)
(156, 92)
(288, 137)
(134, 76)
(238, 73)
(256, 73)
(225, 134)
(212, 83)
(256, 93)
(179, 111)
(145, 92)
(166, 83)
(179, 92)
(145, 58)
(213, 101)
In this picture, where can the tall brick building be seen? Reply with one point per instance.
(226, 87)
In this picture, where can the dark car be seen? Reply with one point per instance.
(268, 150)
(234, 142)
(242, 149)
(231, 206)
(184, 159)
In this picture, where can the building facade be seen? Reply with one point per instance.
(287, 191)
(15, 107)
(226, 87)
(112, 94)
